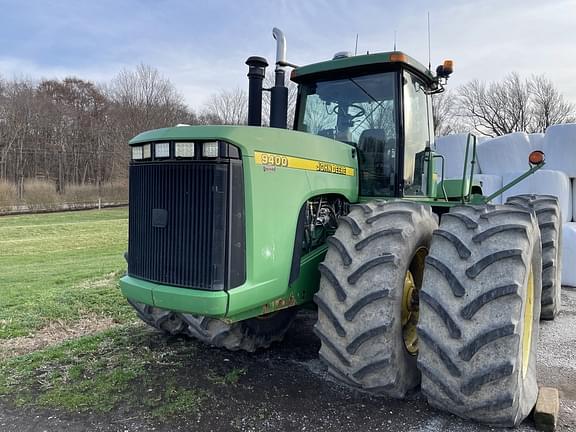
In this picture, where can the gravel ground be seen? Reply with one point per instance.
(285, 389)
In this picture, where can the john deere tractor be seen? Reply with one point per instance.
(417, 279)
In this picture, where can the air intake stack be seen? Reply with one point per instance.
(256, 73)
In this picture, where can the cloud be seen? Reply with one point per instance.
(201, 47)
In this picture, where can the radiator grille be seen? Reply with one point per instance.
(179, 224)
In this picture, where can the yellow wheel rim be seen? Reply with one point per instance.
(410, 295)
(409, 315)
(528, 318)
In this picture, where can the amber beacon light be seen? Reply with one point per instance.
(536, 157)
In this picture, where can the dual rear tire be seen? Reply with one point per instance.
(547, 210)
(476, 301)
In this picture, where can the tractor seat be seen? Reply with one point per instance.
(377, 159)
(372, 141)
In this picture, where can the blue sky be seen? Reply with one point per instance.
(201, 46)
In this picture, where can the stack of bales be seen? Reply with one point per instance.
(560, 148)
(502, 159)
(453, 148)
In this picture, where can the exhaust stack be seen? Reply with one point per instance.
(279, 93)
(256, 72)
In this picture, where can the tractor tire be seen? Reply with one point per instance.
(479, 314)
(374, 266)
(166, 321)
(550, 222)
(248, 335)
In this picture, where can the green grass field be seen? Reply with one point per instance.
(61, 267)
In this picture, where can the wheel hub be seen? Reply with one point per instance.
(411, 300)
(410, 314)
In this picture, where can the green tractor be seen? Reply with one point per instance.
(417, 279)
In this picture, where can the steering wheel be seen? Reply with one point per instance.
(360, 113)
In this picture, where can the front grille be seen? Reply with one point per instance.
(186, 223)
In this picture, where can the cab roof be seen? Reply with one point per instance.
(356, 62)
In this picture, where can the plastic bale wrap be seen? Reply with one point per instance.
(490, 183)
(504, 154)
(560, 148)
(543, 182)
(453, 148)
(536, 140)
(573, 200)
(569, 254)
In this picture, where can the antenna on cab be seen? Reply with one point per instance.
(429, 51)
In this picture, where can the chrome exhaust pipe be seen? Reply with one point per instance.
(280, 47)
(279, 93)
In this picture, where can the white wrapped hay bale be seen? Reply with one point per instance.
(453, 148)
(569, 254)
(543, 182)
(560, 148)
(536, 141)
(490, 183)
(504, 154)
(574, 200)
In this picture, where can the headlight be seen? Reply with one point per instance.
(210, 149)
(162, 150)
(137, 153)
(146, 151)
(184, 149)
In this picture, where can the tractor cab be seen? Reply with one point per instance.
(379, 104)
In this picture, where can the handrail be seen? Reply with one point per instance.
(472, 163)
(437, 155)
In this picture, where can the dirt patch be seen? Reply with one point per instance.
(54, 333)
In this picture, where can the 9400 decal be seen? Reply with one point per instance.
(283, 161)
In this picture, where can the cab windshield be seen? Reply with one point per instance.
(360, 111)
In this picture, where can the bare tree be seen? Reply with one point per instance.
(228, 106)
(18, 111)
(141, 99)
(548, 105)
(445, 114)
(496, 108)
(144, 99)
(512, 105)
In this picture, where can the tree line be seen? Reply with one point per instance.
(514, 104)
(73, 131)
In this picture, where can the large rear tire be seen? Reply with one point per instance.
(479, 314)
(367, 300)
(248, 335)
(549, 217)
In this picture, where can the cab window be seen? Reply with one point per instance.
(360, 111)
(416, 134)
